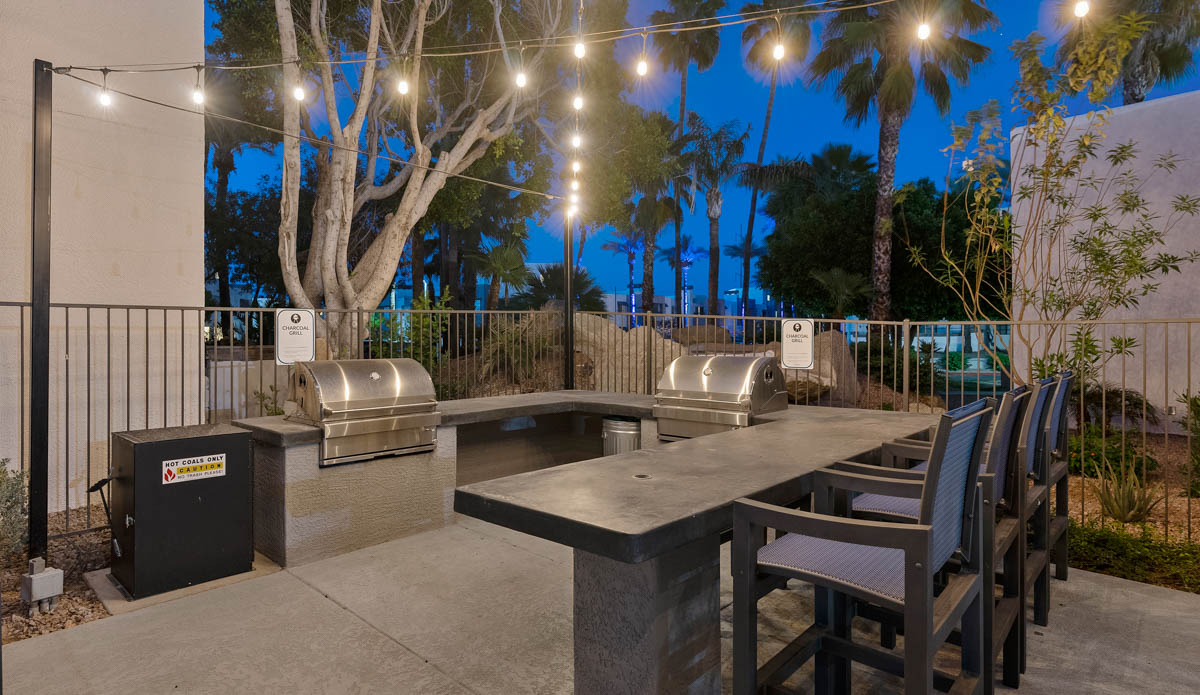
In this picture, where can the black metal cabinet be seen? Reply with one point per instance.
(181, 507)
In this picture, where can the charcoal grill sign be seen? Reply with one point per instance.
(797, 345)
(295, 336)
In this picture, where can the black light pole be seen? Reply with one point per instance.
(39, 297)
(568, 308)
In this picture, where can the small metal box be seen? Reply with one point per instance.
(181, 507)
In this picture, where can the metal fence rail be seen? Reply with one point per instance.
(125, 367)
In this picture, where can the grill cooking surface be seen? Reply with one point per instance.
(700, 395)
(366, 408)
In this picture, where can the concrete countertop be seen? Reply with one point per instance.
(636, 506)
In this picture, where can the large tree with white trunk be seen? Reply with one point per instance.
(374, 145)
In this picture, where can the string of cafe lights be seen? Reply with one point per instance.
(578, 43)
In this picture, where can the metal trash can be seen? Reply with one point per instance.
(621, 435)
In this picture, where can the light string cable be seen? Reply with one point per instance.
(304, 138)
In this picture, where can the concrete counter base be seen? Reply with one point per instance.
(303, 512)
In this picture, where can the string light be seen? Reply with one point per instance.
(402, 86)
(778, 52)
(643, 66)
(577, 102)
(924, 31)
(572, 210)
(1082, 8)
(575, 184)
(580, 49)
(197, 93)
(576, 140)
(298, 93)
(574, 197)
(576, 166)
(105, 96)
(521, 80)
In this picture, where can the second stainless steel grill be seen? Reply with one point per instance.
(366, 408)
(700, 395)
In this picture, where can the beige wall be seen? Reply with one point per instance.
(127, 215)
(1160, 370)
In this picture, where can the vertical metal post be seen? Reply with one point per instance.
(39, 297)
(568, 308)
(904, 356)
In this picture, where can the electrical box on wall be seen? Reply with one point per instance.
(181, 507)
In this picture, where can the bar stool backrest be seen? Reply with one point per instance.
(1035, 418)
(1005, 432)
(946, 503)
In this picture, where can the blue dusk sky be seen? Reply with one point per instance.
(804, 120)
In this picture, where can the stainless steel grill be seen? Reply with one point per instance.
(366, 408)
(702, 395)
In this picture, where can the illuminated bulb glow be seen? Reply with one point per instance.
(197, 96)
(778, 51)
(522, 80)
(402, 86)
(105, 98)
(574, 185)
(580, 50)
(924, 32)
(643, 67)
(298, 93)
(572, 210)
(1082, 8)
(576, 141)
(576, 166)
(577, 102)
(574, 197)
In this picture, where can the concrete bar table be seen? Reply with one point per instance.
(646, 530)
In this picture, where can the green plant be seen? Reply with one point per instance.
(1191, 420)
(423, 333)
(1124, 497)
(1091, 447)
(955, 361)
(14, 523)
(268, 403)
(1097, 547)
(888, 368)
(511, 344)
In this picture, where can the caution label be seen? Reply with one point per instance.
(194, 468)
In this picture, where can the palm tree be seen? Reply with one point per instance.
(843, 288)
(1161, 55)
(650, 215)
(794, 34)
(877, 62)
(681, 258)
(715, 160)
(627, 242)
(677, 51)
(746, 251)
(503, 265)
(547, 284)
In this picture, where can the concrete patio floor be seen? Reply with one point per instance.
(475, 608)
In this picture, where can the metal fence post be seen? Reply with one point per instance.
(904, 336)
(649, 353)
(39, 295)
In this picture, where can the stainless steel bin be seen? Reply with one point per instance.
(621, 436)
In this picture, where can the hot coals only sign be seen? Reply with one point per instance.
(295, 336)
(797, 344)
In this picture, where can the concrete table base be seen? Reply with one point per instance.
(649, 627)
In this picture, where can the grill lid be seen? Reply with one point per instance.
(751, 384)
(327, 390)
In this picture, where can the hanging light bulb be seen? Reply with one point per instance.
(197, 93)
(924, 31)
(1082, 8)
(576, 166)
(105, 97)
(576, 140)
(580, 49)
(402, 86)
(521, 80)
(778, 51)
(577, 102)
(298, 93)
(642, 67)
(572, 210)
(574, 198)
(575, 185)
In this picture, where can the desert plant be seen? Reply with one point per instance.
(1191, 421)
(268, 402)
(14, 525)
(1091, 447)
(1099, 547)
(511, 346)
(1124, 497)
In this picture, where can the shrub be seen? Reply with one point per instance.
(954, 361)
(268, 403)
(1124, 497)
(1097, 547)
(512, 345)
(1090, 449)
(14, 526)
(1191, 420)
(888, 368)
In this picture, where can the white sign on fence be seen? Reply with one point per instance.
(295, 336)
(796, 351)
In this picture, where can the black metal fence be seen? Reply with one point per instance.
(116, 368)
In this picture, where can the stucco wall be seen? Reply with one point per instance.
(1160, 367)
(127, 216)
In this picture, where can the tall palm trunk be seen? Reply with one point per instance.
(1138, 75)
(748, 250)
(714, 264)
(418, 264)
(632, 305)
(881, 257)
(493, 295)
(683, 75)
(648, 273)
